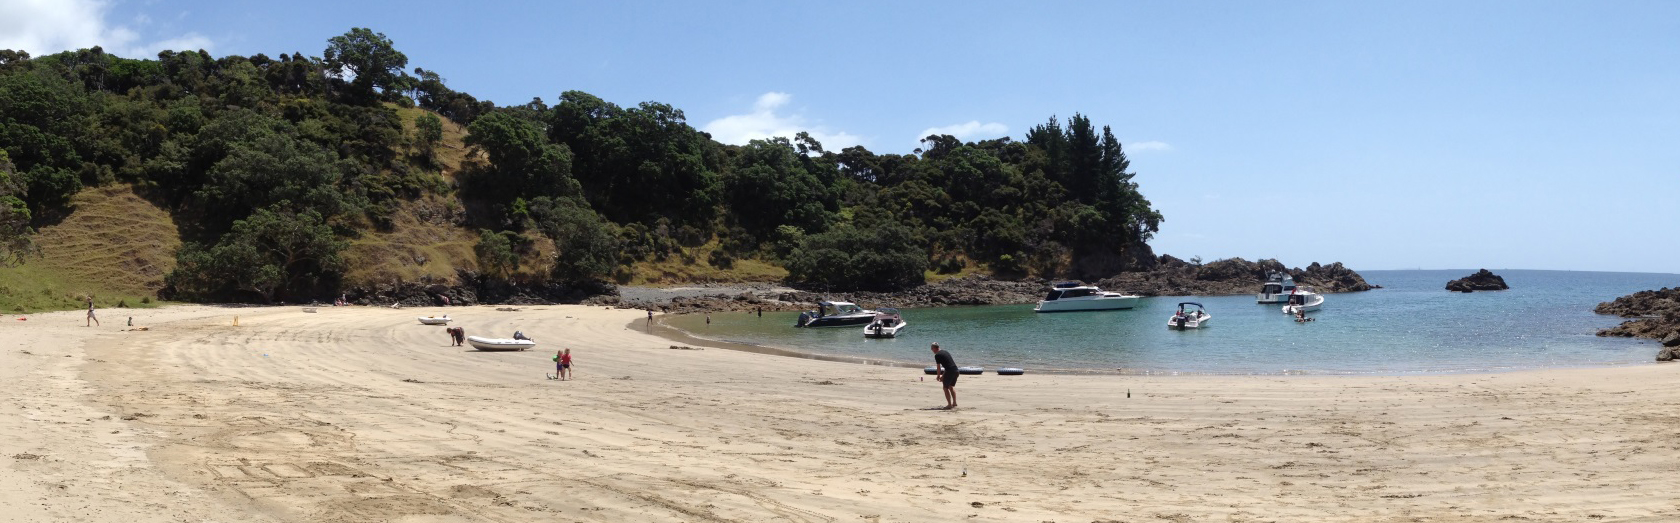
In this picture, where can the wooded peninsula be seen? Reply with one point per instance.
(296, 177)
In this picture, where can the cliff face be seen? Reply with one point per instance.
(1482, 280)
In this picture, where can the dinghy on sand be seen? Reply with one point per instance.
(434, 320)
(499, 344)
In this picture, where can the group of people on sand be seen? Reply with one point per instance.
(458, 337)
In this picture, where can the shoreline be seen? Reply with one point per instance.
(361, 414)
(680, 336)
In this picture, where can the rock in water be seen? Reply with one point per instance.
(1482, 280)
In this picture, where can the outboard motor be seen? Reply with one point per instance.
(804, 319)
(1181, 319)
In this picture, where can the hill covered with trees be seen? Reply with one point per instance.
(289, 178)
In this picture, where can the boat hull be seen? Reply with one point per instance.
(434, 321)
(840, 321)
(1188, 323)
(875, 331)
(1094, 304)
(499, 344)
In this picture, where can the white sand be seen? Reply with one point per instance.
(308, 417)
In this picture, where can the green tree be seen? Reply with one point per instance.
(881, 256)
(270, 255)
(428, 130)
(368, 59)
(588, 245)
(14, 216)
(496, 253)
(523, 162)
(770, 186)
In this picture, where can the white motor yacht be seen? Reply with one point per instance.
(835, 314)
(1278, 287)
(1073, 296)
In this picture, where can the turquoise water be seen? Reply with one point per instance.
(1412, 325)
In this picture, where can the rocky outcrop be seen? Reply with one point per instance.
(471, 288)
(1175, 277)
(1656, 316)
(1482, 280)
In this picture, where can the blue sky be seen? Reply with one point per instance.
(1533, 134)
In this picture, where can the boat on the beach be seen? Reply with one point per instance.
(971, 370)
(1277, 288)
(1187, 318)
(434, 320)
(887, 323)
(499, 344)
(835, 314)
(1303, 300)
(1075, 296)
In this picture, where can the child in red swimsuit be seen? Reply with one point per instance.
(565, 370)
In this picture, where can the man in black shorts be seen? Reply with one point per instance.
(946, 368)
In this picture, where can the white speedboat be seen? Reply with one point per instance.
(886, 325)
(1073, 296)
(836, 314)
(482, 343)
(1304, 300)
(1189, 318)
(434, 320)
(1278, 287)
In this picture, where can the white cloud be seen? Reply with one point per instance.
(1151, 145)
(768, 120)
(967, 132)
(44, 27)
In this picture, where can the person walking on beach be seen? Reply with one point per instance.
(92, 320)
(946, 367)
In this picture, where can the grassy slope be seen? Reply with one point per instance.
(114, 246)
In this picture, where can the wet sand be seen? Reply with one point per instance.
(362, 414)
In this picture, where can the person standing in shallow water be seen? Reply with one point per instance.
(945, 366)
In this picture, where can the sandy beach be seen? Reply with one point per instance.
(361, 414)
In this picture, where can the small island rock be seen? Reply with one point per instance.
(1482, 280)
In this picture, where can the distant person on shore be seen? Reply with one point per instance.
(457, 335)
(708, 318)
(650, 320)
(946, 367)
(445, 299)
(92, 320)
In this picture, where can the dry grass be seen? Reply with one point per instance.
(694, 268)
(423, 243)
(452, 151)
(114, 246)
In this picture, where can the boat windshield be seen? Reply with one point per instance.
(1053, 295)
(846, 308)
(1075, 293)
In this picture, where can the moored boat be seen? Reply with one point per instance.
(1304, 300)
(887, 323)
(835, 314)
(1189, 318)
(1074, 296)
(1277, 288)
(499, 344)
(434, 320)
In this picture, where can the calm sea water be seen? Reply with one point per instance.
(1412, 325)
